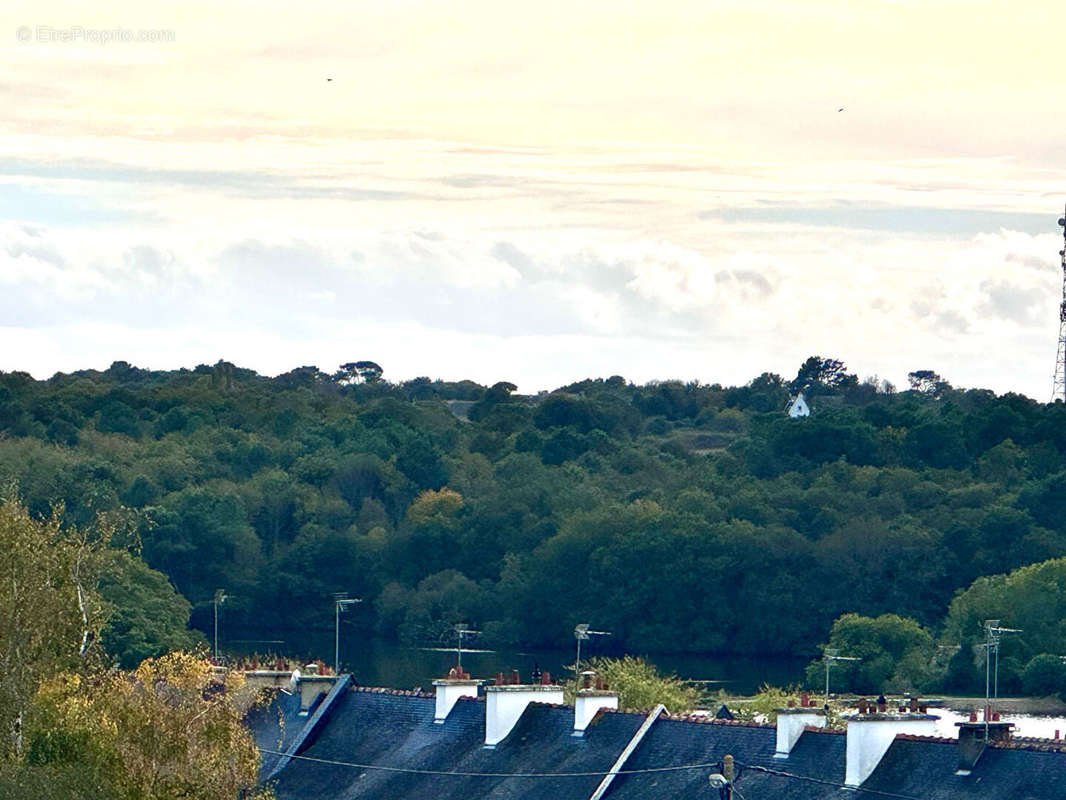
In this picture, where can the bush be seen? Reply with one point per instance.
(1045, 674)
(639, 684)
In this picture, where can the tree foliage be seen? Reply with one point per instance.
(680, 515)
(1032, 599)
(166, 730)
(927, 381)
(639, 685)
(51, 613)
(146, 616)
(895, 654)
(69, 726)
(822, 374)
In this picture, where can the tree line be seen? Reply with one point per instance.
(679, 515)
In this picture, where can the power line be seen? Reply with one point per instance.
(459, 774)
(834, 784)
(589, 774)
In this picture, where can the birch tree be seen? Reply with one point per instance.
(51, 613)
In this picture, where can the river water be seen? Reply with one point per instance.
(379, 662)
(1041, 727)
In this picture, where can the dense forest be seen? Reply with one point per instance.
(679, 516)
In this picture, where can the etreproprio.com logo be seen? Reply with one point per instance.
(77, 34)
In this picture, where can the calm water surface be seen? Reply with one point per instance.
(378, 662)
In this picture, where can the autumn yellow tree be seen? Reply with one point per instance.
(170, 728)
(72, 729)
(51, 612)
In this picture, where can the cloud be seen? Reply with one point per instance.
(911, 220)
(473, 181)
(951, 321)
(748, 283)
(728, 294)
(244, 183)
(28, 240)
(1012, 302)
(520, 261)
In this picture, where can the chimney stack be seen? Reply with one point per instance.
(312, 687)
(872, 731)
(505, 703)
(974, 737)
(792, 721)
(449, 690)
(591, 698)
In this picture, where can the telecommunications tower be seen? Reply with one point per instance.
(1058, 390)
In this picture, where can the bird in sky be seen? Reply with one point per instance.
(329, 79)
(839, 110)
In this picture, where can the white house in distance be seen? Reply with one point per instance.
(798, 407)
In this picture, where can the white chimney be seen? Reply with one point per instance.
(312, 687)
(791, 722)
(505, 704)
(588, 703)
(870, 736)
(449, 690)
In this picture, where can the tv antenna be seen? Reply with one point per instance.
(993, 634)
(1058, 387)
(219, 599)
(341, 601)
(582, 633)
(829, 655)
(462, 630)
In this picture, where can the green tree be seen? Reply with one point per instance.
(1032, 598)
(818, 375)
(421, 462)
(355, 372)
(896, 655)
(147, 617)
(1044, 675)
(202, 540)
(927, 382)
(639, 684)
(117, 417)
(51, 612)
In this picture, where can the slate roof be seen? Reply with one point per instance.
(274, 726)
(386, 729)
(396, 729)
(926, 769)
(676, 742)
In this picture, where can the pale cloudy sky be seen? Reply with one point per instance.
(536, 192)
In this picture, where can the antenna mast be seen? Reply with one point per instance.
(1058, 389)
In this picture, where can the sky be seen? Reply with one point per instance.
(535, 192)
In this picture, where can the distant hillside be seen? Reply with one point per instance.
(677, 515)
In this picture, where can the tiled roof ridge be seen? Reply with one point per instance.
(1031, 743)
(831, 731)
(917, 737)
(706, 719)
(393, 692)
(1015, 743)
(548, 705)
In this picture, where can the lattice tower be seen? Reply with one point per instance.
(1058, 389)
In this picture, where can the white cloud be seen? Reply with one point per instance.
(457, 303)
